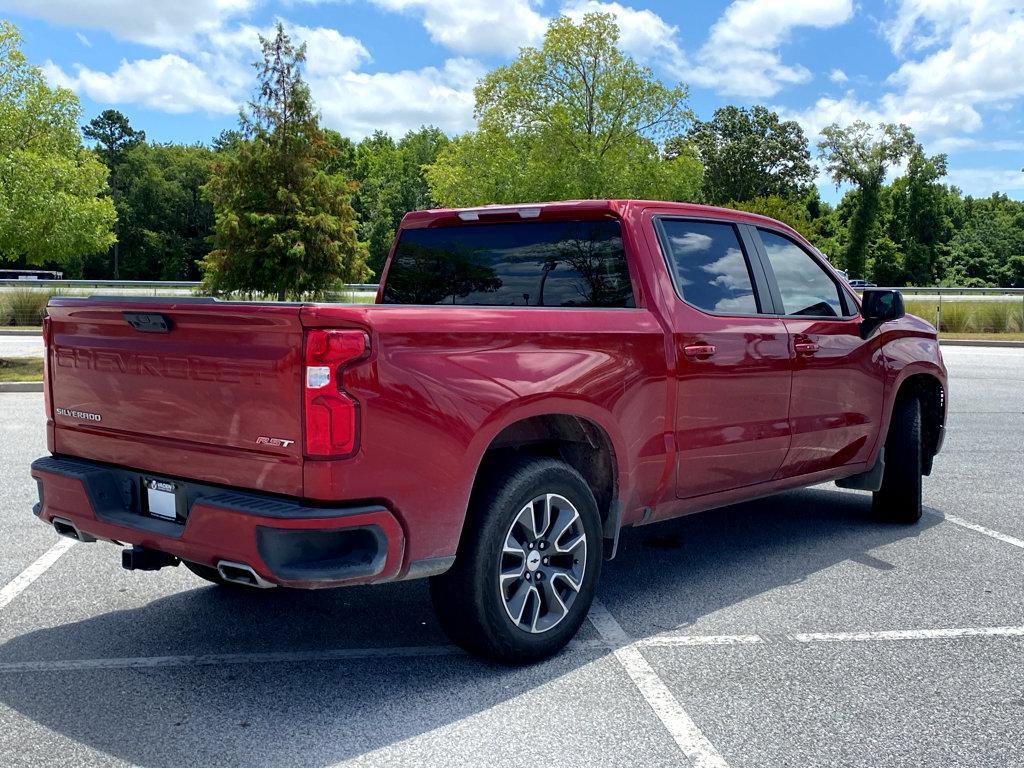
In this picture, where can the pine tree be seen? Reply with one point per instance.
(284, 224)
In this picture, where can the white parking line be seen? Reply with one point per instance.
(700, 640)
(12, 589)
(983, 530)
(684, 731)
(909, 635)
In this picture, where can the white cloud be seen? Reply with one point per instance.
(83, 40)
(977, 64)
(838, 76)
(476, 26)
(168, 83)
(642, 33)
(984, 181)
(957, 143)
(740, 57)
(927, 120)
(358, 103)
(328, 52)
(166, 25)
(217, 78)
(959, 59)
(922, 24)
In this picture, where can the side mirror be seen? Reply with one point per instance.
(877, 306)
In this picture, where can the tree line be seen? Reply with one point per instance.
(284, 206)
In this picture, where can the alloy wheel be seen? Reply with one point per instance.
(543, 561)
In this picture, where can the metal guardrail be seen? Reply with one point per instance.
(132, 284)
(954, 290)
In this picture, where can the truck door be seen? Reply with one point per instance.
(836, 403)
(733, 364)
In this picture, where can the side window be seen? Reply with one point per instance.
(709, 266)
(805, 287)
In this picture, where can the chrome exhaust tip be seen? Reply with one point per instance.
(66, 528)
(241, 574)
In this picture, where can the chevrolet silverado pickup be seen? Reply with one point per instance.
(529, 380)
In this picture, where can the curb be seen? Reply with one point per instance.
(21, 332)
(21, 387)
(980, 343)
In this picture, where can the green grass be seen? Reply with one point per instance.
(21, 369)
(977, 317)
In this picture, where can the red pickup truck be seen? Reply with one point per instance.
(530, 380)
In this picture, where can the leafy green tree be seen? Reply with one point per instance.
(988, 250)
(792, 212)
(53, 206)
(857, 155)
(391, 182)
(283, 224)
(751, 153)
(575, 118)
(164, 224)
(919, 225)
(114, 136)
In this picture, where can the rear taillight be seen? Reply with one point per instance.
(332, 423)
(47, 402)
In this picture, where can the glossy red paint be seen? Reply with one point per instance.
(439, 383)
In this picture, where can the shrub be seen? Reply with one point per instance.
(993, 316)
(957, 317)
(24, 307)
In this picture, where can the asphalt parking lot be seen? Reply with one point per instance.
(794, 630)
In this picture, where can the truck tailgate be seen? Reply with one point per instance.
(185, 388)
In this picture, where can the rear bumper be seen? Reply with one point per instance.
(285, 542)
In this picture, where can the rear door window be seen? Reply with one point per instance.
(516, 264)
(709, 267)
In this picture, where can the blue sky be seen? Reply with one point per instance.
(951, 69)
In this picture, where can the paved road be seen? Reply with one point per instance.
(12, 346)
(733, 631)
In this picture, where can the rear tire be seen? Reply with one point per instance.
(527, 567)
(899, 499)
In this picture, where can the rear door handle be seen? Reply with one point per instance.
(699, 351)
(806, 348)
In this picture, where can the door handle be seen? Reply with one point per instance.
(699, 351)
(806, 348)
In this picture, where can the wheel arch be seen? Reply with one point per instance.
(582, 439)
(930, 390)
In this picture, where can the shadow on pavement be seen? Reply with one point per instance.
(287, 713)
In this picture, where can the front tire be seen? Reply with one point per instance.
(527, 567)
(899, 499)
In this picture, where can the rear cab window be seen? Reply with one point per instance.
(512, 264)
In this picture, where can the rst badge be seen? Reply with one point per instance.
(282, 442)
(89, 417)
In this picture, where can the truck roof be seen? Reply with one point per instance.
(562, 209)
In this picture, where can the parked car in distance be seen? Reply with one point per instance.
(530, 380)
(860, 283)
